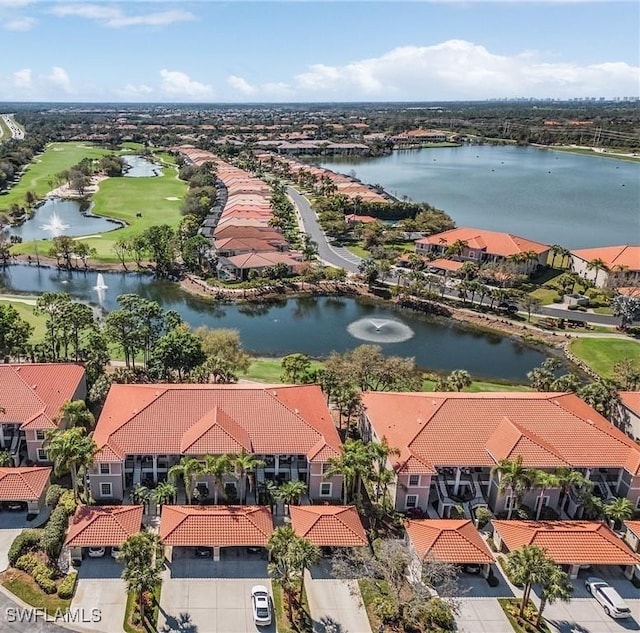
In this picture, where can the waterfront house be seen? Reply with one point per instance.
(144, 430)
(32, 395)
(608, 266)
(449, 443)
(481, 247)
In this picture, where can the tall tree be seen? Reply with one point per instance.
(14, 333)
(513, 476)
(556, 586)
(185, 468)
(528, 566)
(244, 466)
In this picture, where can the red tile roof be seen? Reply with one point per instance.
(198, 419)
(448, 540)
(631, 400)
(547, 429)
(634, 526)
(216, 526)
(262, 260)
(103, 526)
(492, 242)
(445, 264)
(33, 394)
(328, 526)
(625, 255)
(568, 542)
(23, 484)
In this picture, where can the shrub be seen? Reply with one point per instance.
(26, 541)
(483, 515)
(52, 538)
(67, 502)
(43, 571)
(493, 581)
(53, 495)
(27, 563)
(67, 587)
(43, 576)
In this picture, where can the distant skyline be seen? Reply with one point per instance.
(317, 51)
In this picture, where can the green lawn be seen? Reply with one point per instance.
(40, 173)
(157, 199)
(602, 353)
(359, 250)
(25, 310)
(586, 150)
(479, 386)
(25, 588)
(5, 134)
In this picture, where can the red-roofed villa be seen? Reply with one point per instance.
(27, 485)
(328, 526)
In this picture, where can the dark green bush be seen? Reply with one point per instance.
(43, 576)
(67, 587)
(53, 495)
(26, 541)
(27, 563)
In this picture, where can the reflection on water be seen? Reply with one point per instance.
(139, 167)
(312, 325)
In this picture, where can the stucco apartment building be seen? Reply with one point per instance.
(481, 247)
(32, 395)
(144, 430)
(621, 265)
(449, 442)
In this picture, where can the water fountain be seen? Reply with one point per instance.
(380, 330)
(55, 225)
(100, 288)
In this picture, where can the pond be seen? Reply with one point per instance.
(140, 167)
(312, 325)
(62, 217)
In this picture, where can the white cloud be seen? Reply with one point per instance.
(12, 4)
(241, 85)
(178, 84)
(457, 69)
(113, 17)
(22, 79)
(135, 92)
(59, 80)
(19, 24)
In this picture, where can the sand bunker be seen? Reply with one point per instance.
(172, 198)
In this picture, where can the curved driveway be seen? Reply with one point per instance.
(334, 255)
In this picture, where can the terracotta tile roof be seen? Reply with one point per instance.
(547, 429)
(631, 400)
(328, 526)
(492, 242)
(164, 419)
(568, 542)
(629, 291)
(103, 526)
(33, 394)
(445, 264)
(261, 260)
(634, 526)
(448, 540)
(23, 484)
(625, 255)
(212, 526)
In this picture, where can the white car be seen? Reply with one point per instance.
(95, 552)
(261, 604)
(613, 605)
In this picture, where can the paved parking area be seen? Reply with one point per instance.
(11, 524)
(204, 596)
(333, 601)
(100, 587)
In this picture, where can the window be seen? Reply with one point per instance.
(325, 468)
(325, 489)
(42, 455)
(411, 501)
(414, 480)
(105, 469)
(545, 501)
(508, 502)
(105, 490)
(638, 504)
(40, 434)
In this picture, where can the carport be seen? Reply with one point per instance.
(570, 543)
(328, 526)
(183, 526)
(454, 541)
(25, 485)
(102, 526)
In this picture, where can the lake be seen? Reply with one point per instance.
(140, 167)
(311, 325)
(549, 196)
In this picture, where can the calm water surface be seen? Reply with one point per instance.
(315, 326)
(140, 167)
(553, 197)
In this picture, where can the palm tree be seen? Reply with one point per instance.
(139, 495)
(291, 491)
(304, 554)
(543, 481)
(557, 586)
(597, 264)
(243, 465)
(353, 465)
(556, 250)
(459, 379)
(379, 454)
(618, 510)
(186, 467)
(456, 248)
(75, 413)
(568, 478)
(70, 450)
(513, 475)
(280, 565)
(164, 492)
(5, 459)
(528, 566)
(217, 467)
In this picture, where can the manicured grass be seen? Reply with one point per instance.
(602, 353)
(479, 386)
(269, 370)
(590, 152)
(40, 173)
(5, 133)
(358, 250)
(26, 312)
(545, 295)
(25, 588)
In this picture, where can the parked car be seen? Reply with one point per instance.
(261, 604)
(15, 506)
(472, 568)
(613, 605)
(95, 552)
(204, 552)
(115, 552)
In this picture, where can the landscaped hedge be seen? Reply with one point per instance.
(27, 563)
(43, 575)
(26, 541)
(53, 534)
(67, 587)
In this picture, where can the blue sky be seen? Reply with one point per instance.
(269, 51)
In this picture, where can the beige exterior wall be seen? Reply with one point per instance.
(114, 479)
